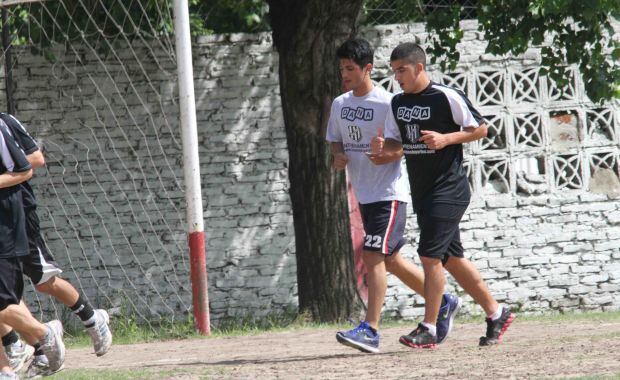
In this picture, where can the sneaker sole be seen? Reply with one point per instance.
(501, 332)
(45, 374)
(405, 342)
(357, 345)
(451, 323)
(506, 325)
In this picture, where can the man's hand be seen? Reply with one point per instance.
(434, 140)
(340, 161)
(377, 142)
(380, 159)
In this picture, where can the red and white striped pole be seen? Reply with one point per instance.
(191, 168)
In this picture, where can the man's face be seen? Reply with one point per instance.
(352, 75)
(405, 74)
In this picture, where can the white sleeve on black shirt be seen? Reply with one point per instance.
(463, 113)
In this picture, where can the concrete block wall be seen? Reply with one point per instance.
(543, 227)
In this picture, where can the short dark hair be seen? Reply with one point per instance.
(358, 50)
(410, 52)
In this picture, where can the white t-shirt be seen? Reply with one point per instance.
(354, 122)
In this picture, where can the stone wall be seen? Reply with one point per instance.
(544, 225)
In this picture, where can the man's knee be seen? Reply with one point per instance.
(371, 259)
(391, 263)
(46, 287)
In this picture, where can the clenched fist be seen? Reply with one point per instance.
(340, 161)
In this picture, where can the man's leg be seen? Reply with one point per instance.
(40, 266)
(434, 284)
(439, 238)
(60, 289)
(499, 317)
(48, 336)
(23, 322)
(16, 315)
(406, 271)
(384, 223)
(377, 285)
(466, 274)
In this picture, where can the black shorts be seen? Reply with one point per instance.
(440, 237)
(39, 264)
(384, 225)
(11, 282)
(13, 240)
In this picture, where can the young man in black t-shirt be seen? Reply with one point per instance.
(39, 265)
(430, 122)
(14, 170)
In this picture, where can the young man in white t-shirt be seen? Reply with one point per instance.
(380, 187)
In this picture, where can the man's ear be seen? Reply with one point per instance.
(368, 68)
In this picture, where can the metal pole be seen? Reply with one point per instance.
(8, 62)
(191, 167)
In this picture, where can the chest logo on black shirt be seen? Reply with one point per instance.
(355, 133)
(412, 131)
(360, 113)
(413, 113)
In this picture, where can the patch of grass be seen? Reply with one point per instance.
(109, 374)
(128, 331)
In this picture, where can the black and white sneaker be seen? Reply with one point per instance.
(100, 332)
(18, 354)
(497, 328)
(419, 338)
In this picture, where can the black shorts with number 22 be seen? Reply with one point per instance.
(384, 225)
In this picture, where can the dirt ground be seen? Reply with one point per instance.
(530, 350)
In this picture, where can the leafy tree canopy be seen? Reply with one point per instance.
(574, 31)
(577, 32)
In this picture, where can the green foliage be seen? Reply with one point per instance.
(376, 12)
(42, 24)
(578, 32)
(226, 16)
(63, 21)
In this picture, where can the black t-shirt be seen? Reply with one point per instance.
(13, 239)
(12, 157)
(28, 145)
(434, 175)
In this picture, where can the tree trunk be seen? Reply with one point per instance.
(307, 34)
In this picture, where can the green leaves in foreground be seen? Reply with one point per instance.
(574, 32)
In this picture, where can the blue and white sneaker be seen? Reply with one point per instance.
(361, 338)
(447, 312)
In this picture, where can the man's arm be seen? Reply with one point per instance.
(36, 159)
(340, 158)
(436, 140)
(379, 155)
(9, 179)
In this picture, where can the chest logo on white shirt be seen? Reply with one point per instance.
(413, 113)
(360, 113)
(355, 133)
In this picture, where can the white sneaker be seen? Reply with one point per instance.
(52, 345)
(39, 367)
(100, 332)
(18, 354)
